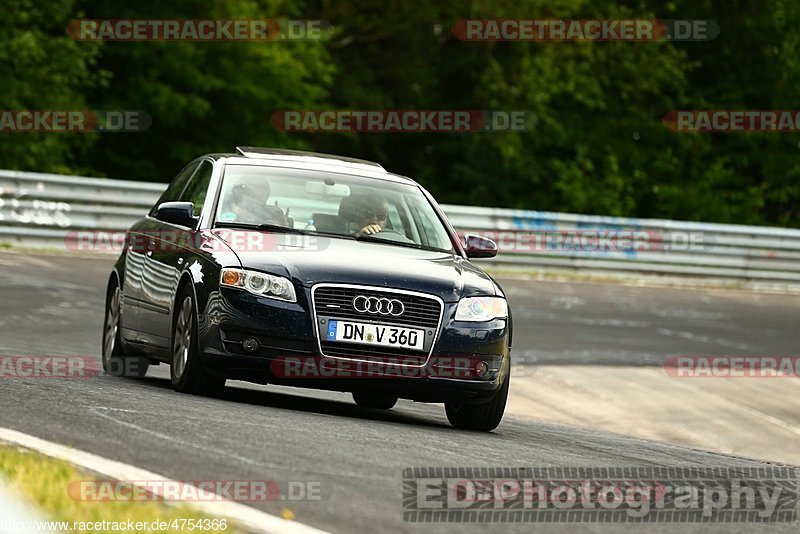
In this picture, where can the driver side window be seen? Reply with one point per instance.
(198, 187)
(176, 187)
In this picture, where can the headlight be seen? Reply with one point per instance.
(481, 309)
(261, 284)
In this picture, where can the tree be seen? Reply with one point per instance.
(202, 96)
(43, 69)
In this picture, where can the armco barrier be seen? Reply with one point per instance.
(674, 248)
(37, 210)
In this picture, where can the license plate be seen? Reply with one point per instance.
(375, 334)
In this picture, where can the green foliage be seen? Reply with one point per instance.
(203, 97)
(597, 142)
(42, 68)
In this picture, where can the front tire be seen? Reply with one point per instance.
(187, 372)
(374, 401)
(481, 417)
(115, 361)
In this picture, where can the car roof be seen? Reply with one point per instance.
(278, 157)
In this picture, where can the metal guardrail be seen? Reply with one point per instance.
(39, 210)
(675, 248)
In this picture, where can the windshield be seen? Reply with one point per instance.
(329, 203)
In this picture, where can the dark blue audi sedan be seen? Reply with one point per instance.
(312, 270)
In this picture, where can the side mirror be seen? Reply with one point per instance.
(477, 246)
(178, 213)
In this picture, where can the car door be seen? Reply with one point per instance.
(138, 246)
(171, 250)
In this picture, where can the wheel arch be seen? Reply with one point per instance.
(185, 280)
(113, 279)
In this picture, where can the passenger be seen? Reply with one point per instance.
(248, 202)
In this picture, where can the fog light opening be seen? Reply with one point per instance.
(481, 368)
(250, 344)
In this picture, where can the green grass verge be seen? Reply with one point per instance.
(43, 481)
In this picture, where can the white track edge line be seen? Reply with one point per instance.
(244, 516)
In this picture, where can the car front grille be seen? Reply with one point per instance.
(420, 311)
(337, 301)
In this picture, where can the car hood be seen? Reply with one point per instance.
(309, 260)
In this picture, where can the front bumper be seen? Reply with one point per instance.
(288, 352)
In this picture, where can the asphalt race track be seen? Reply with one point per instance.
(53, 305)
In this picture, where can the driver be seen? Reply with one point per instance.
(247, 200)
(372, 212)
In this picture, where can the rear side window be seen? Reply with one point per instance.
(175, 188)
(198, 187)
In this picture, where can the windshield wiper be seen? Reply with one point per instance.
(266, 226)
(279, 228)
(373, 239)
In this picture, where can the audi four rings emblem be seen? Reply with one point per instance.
(381, 306)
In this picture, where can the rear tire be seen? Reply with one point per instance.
(186, 371)
(482, 417)
(374, 401)
(115, 361)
